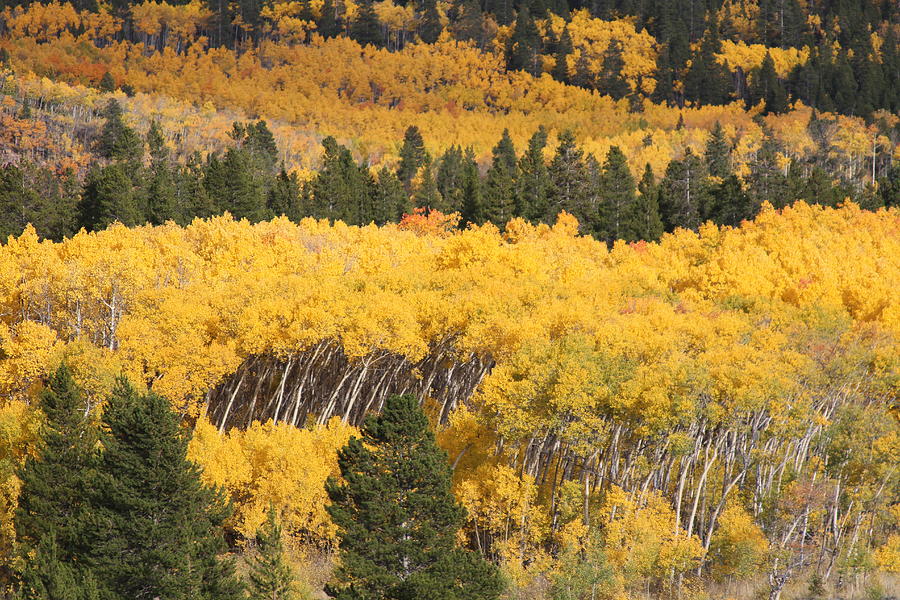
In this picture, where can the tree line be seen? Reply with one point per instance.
(135, 180)
(111, 508)
(853, 65)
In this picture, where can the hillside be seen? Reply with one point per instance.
(638, 262)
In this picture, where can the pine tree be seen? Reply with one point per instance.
(472, 207)
(665, 78)
(52, 504)
(706, 82)
(650, 225)
(618, 219)
(107, 83)
(612, 82)
(569, 179)
(533, 185)
(366, 28)
(341, 190)
(767, 181)
(270, 575)
(683, 192)
(728, 204)
(397, 518)
(430, 22)
(523, 49)
(118, 141)
(766, 86)
(245, 186)
(155, 528)
(426, 194)
(718, 153)
(500, 183)
(449, 178)
(564, 49)
(160, 185)
(390, 201)
(327, 25)
(108, 197)
(412, 156)
(284, 197)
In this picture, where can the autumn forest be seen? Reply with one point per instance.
(450, 300)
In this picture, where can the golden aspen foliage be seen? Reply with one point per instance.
(273, 465)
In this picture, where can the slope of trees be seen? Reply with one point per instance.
(723, 391)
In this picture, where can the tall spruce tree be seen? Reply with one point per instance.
(270, 574)
(472, 206)
(523, 49)
(412, 156)
(534, 183)
(649, 220)
(389, 198)
(618, 211)
(108, 197)
(52, 505)
(683, 192)
(397, 518)
(717, 154)
(155, 529)
(500, 183)
(118, 141)
(611, 81)
(569, 179)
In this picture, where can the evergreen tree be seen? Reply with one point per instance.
(108, 197)
(472, 207)
(284, 197)
(107, 83)
(161, 203)
(707, 82)
(245, 186)
(569, 179)
(52, 503)
(449, 178)
(766, 86)
(619, 218)
(397, 518)
(412, 156)
(341, 190)
(469, 24)
(118, 141)
(665, 78)
(155, 528)
(718, 153)
(499, 185)
(270, 575)
(533, 185)
(612, 82)
(728, 203)
(564, 49)
(683, 192)
(767, 182)
(650, 225)
(523, 48)
(430, 23)
(327, 24)
(426, 193)
(366, 28)
(389, 198)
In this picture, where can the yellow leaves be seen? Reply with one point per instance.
(747, 57)
(274, 465)
(642, 537)
(739, 546)
(19, 425)
(28, 352)
(887, 557)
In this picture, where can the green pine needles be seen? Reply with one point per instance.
(398, 519)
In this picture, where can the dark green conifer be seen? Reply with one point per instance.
(618, 218)
(611, 81)
(650, 225)
(397, 518)
(683, 192)
(270, 575)
(108, 197)
(155, 530)
(717, 154)
(533, 185)
(118, 141)
(412, 156)
(569, 178)
(500, 183)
